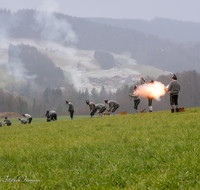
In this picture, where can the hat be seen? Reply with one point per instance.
(174, 77)
(67, 102)
(135, 87)
(87, 101)
(106, 101)
(151, 81)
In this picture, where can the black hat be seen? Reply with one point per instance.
(174, 77)
(135, 87)
(106, 101)
(151, 81)
(19, 118)
(67, 102)
(5, 117)
(87, 101)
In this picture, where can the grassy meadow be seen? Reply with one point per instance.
(157, 150)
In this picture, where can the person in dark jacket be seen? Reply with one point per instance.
(0, 124)
(135, 98)
(71, 109)
(92, 109)
(113, 105)
(51, 115)
(173, 89)
(23, 121)
(100, 108)
(7, 121)
(28, 117)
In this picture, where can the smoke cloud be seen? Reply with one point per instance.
(16, 67)
(54, 29)
(152, 90)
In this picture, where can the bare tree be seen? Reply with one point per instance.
(21, 103)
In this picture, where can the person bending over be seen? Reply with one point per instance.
(23, 121)
(92, 109)
(51, 115)
(28, 117)
(100, 109)
(113, 105)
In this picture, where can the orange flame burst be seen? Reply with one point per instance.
(151, 90)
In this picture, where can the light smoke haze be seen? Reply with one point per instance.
(185, 10)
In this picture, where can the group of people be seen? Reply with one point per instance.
(136, 98)
(173, 88)
(101, 108)
(22, 120)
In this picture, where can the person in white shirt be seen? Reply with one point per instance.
(28, 117)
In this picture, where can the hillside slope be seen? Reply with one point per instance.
(80, 67)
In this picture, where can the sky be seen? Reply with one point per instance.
(184, 10)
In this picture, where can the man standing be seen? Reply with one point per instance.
(92, 108)
(51, 115)
(101, 108)
(28, 117)
(7, 121)
(113, 105)
(135, 98)
(150, 99)
(173, 88)
(23, 121)
(71, 109)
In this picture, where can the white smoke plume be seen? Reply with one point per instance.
(16, 68)
(53, 28)
(152, 90)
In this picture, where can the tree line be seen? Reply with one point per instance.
(23, 98)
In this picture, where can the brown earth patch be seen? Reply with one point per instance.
(9, 115)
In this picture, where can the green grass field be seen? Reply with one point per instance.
(157, 150)
(15, 121)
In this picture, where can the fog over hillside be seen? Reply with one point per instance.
(80, 67)
(70, 43)
(175, 30)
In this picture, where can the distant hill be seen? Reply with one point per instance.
(149, 50)
(175, 30)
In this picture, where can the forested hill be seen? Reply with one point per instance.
(175, 30)
(145, 49)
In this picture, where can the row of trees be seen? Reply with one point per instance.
(39, 101)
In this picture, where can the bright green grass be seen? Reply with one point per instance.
(157, 150)
(15, 121)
